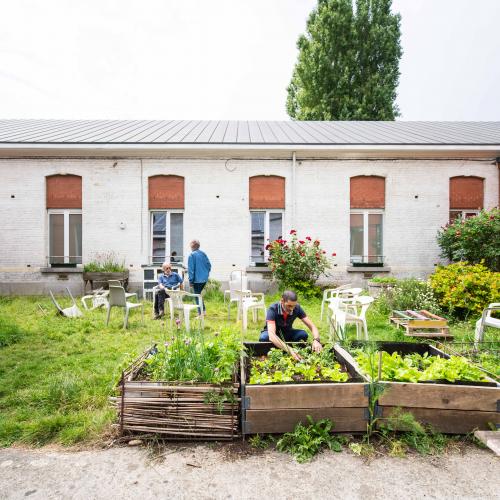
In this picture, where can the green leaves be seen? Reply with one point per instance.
(279, 367)
(348, 63)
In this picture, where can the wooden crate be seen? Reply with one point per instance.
(421, 324)
(278, 408)
(175, 410)
(454, 408)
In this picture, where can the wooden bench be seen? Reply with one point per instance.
(422, 324)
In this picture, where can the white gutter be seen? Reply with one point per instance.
(246, 147)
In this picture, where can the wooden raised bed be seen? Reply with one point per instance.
(278, 408)
(453, 408)
(175, 410)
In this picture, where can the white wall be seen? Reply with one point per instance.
(216, 213)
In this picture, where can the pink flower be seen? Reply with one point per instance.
(308, 238)
(316, 243)
(301, 242)
(293, 231)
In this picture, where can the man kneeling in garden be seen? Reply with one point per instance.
(279, 320)
(167, 281)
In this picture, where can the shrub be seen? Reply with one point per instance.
(105, 263)
(473, 240)
(297, 264)
(409, 293)
(212, 290)
(462, 288)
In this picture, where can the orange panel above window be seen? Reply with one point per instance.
(267, 191)
(466, 192)
(166, 191)
(64, 191)
(367, 191)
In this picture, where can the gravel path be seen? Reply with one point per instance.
(204, 472)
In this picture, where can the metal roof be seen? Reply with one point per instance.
(185, 132)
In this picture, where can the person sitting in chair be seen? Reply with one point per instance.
(169, 280)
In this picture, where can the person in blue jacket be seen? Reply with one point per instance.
(169, 280)
(198, 268)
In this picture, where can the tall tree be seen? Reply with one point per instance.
(348, 63)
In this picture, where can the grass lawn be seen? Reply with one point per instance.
(57, 373)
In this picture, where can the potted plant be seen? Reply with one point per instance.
(104, 267)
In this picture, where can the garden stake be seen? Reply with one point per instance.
(380, 365)
(123, 403)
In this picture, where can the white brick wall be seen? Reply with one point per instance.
(216, 213)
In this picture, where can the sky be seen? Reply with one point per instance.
(225, 59)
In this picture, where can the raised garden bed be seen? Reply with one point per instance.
(99, 278)
(279, 407)
(451, 407)
(176, 410)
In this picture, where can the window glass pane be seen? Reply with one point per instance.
(56, 238)
(176, 237)
(158, 250)
(75, 238)
(374, 237)
(258, 236)
(275, 226)
(357, 236)
(159, 223)
(468, 215)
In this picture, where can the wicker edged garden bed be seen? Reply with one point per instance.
(449, 407)
(278, 408)
(176, 410)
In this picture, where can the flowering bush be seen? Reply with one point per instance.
(463, 289)
(474, 239)
(297, 264)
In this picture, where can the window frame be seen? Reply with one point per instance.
(462, 213)
(65, 212)
(366, 212)
(267, 212)
(168, 212)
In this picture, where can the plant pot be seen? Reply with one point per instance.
(99, 279)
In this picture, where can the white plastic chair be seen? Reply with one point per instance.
(97, 298)
(176, 303)
(117, 298)
(359, 319)
(486, 320)
(238, 284)
(68, 312)
(331, 293)
(128, 295)
(156, 289)
(252, 302)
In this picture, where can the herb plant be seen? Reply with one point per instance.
(419, 368)
(279, 367)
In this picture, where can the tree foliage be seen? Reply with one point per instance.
(348, 63)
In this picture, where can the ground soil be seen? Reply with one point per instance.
(235, 471)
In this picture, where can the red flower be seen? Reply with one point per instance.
(334, 254)
(308, 238)
(302, 254)
(282, 261)
(301, 242)
(293, 231)
(316, 243)
(323, 251)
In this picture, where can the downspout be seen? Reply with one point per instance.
(498, 168)
(293, 190)
(142, 212)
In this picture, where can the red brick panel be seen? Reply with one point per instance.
(367, 191)
(466, 192)
(166, 191)
(267, 191)
(64, 191)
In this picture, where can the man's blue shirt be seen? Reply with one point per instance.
(169, 281)
(275, 313)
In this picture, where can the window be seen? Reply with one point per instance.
(64, 210)
(367, 237)
(367, 195)
(65, 237)
(266, 203)
(466, 196)
(266, 226)
(167, 236)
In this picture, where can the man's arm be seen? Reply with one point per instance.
(191, 268)
(280, 344)
(316, 345)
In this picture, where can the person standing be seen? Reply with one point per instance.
(198, 269)
(169, 280)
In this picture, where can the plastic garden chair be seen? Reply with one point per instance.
(238, 288)
(69, 312)
(359, 319)
(253, 302)
(486, 320)
(128, 295)
(331, 293)
(117, 299)
(337, 319)
(97, 298)
(156, 289)
(176, 303)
